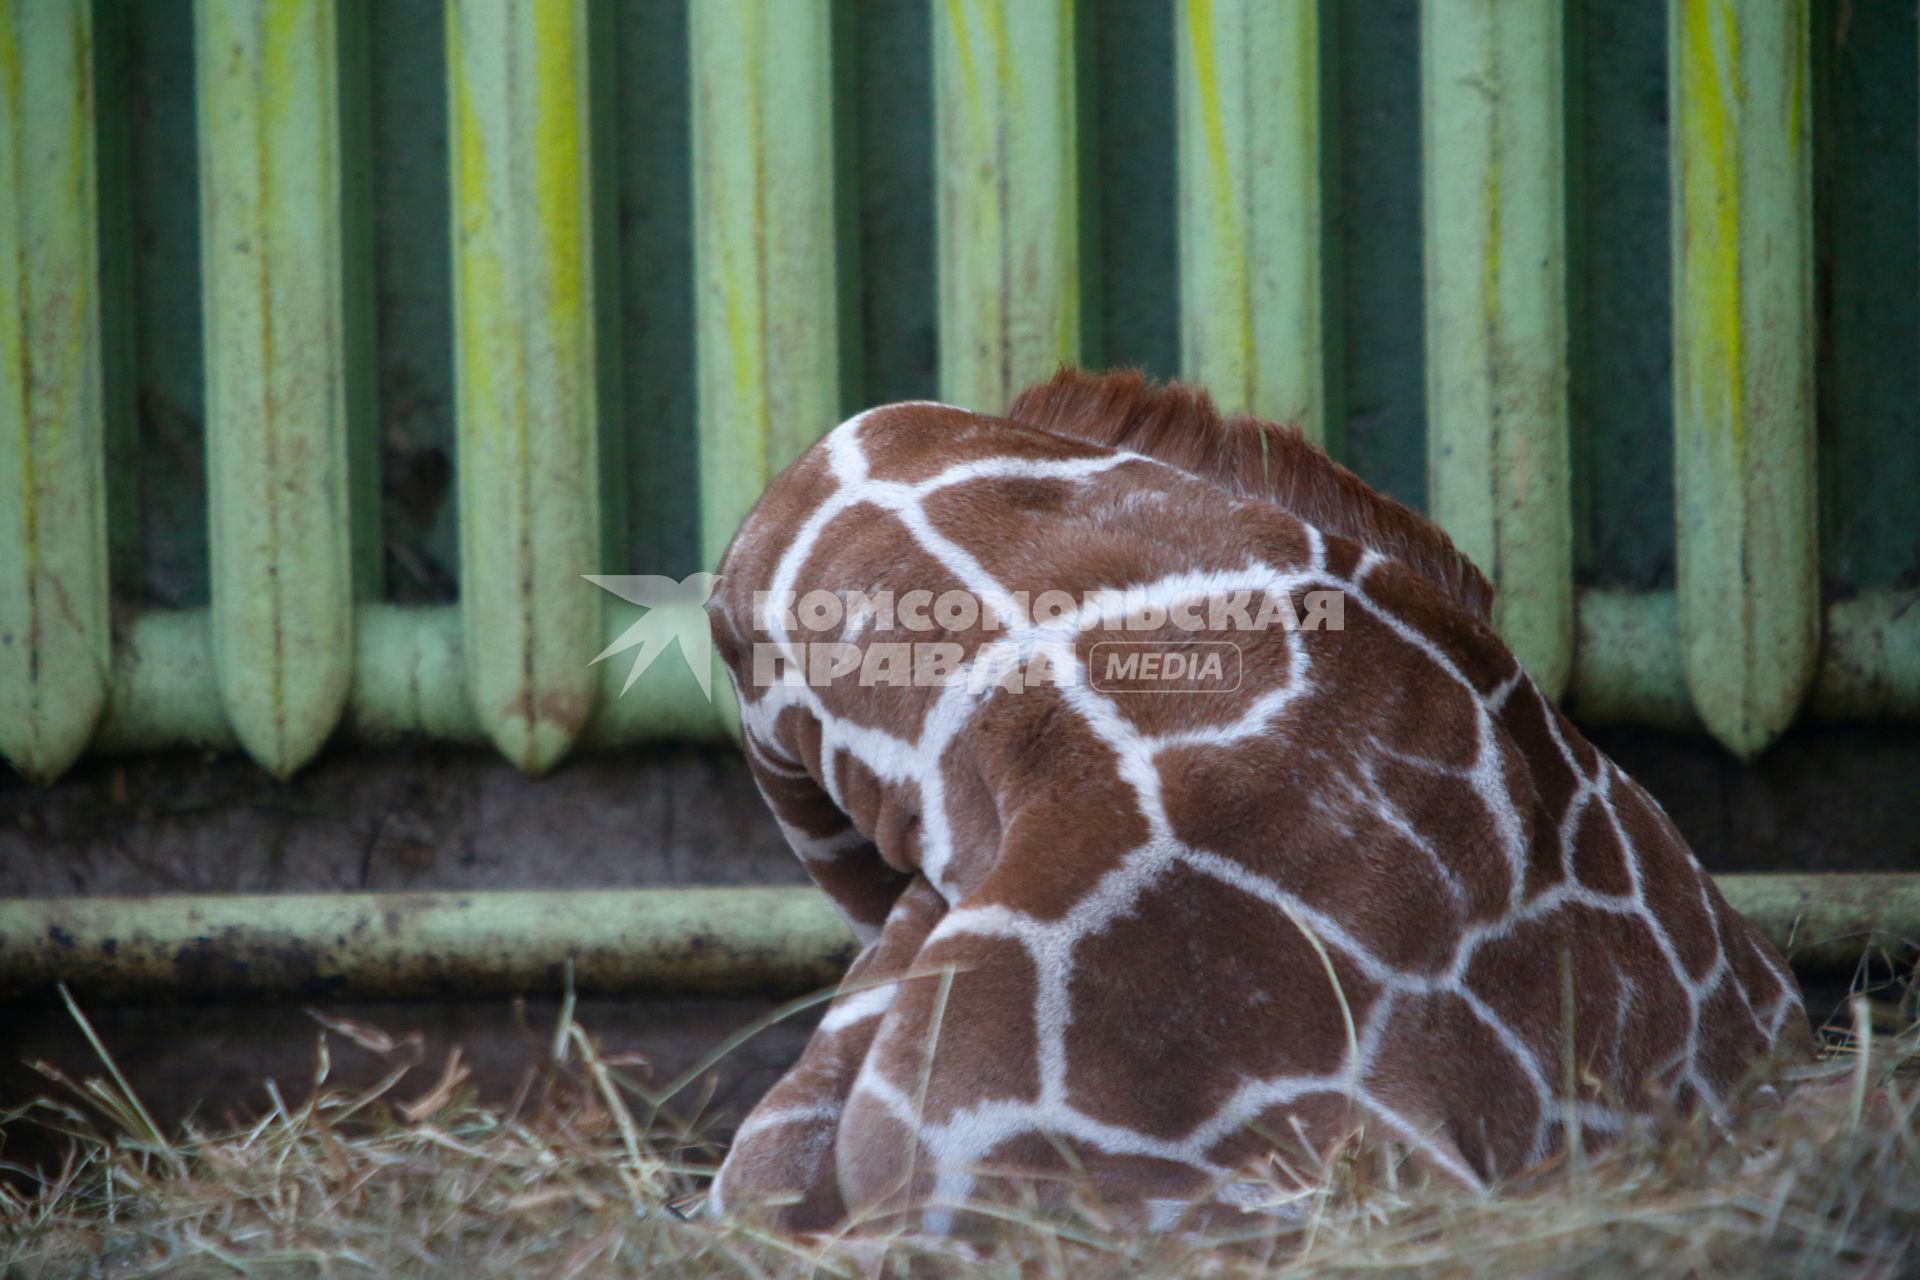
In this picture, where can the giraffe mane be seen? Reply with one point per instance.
(1179, 425)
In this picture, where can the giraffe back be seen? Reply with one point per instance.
(1154, 929)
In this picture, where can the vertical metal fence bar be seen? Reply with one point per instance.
(271, 260)
(54, 637)
(1743, 362)
(1251, 206)
(1491, 76)
(525, 375)
(765, 298)
(1008, 199)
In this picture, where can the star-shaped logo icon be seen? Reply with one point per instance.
(673, 612)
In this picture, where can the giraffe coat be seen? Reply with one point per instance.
(1150, 932)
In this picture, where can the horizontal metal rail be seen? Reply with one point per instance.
(692, 941)
(708, 941)
(410, 678)
(1628, 665)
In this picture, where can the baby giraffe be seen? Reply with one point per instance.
(1188, 812)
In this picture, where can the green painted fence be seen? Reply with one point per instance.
(812, 141)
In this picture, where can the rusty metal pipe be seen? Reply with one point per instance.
(1826, 923)
(698, 941)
